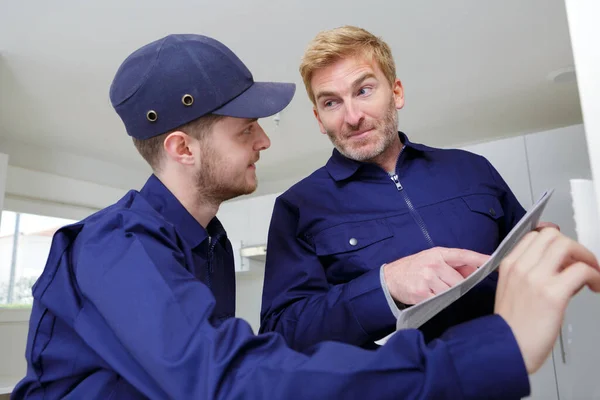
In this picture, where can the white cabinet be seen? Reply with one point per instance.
(555, 157)
(531, 164)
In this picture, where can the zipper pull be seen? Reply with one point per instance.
(210, 255)
(396, 181)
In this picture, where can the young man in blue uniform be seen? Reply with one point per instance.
(380, 199)
(137, 301)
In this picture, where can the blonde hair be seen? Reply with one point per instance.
(331, 46)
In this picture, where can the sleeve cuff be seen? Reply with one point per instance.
(489, 361)
(390, 300)
(370, 305)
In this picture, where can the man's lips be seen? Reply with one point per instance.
(359, 134)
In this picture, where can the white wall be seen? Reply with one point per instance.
(248, 294)
(37, 190)
(584, 30)
(62, 184)
(3, 169)
(14, 325)
(582, 322)
(78, 167)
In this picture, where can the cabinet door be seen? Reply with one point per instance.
(555, 157)
(509, 157)
(3, 170)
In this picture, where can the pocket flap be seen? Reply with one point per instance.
(485, 204)
(351, 236)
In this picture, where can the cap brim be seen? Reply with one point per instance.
(260, 100)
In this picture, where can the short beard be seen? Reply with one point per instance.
(212, 180)
(389, 127)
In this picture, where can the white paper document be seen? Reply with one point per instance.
(417, 315)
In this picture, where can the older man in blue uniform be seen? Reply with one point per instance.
(377, 228)
(137, 300)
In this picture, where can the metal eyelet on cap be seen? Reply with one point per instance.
(152, 116)
(187, 100)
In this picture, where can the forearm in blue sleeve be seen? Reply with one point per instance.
(300, 304)
(149, 319)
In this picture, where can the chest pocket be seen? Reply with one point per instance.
(479, 225)
(485, 204)
(351, 249)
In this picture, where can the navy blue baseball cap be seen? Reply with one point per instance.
(179, 78)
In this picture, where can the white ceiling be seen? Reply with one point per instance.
(472, 70)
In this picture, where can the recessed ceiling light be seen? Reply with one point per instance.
(563, 75)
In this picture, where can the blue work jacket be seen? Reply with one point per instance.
(137, 301)
(331, 232)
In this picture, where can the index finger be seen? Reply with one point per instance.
(463, 258)
(564, 252)
(465, 270)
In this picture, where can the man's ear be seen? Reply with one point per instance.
(321, 127)
(398, 94)
(177, 146)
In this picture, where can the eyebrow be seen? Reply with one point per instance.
(357, 82)
(249, 122)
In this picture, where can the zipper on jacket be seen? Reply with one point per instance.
(209, 263)
(413, 211)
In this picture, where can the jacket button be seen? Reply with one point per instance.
(353, 241)
(492, 212)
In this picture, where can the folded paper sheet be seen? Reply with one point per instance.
(417, 315)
